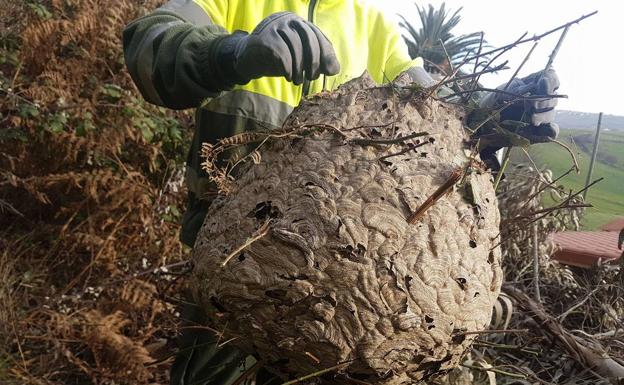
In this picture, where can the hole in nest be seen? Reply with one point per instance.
(473, 244)
(459, 338)
(281, 361)
(423, 154)
(461, 282)
(302, 277)
(476, 294)
(430, 327)
(428, 319)
(491, 258)
(431, 140)
(264, 210)
(241, 257)
(275, 293)
(408, 281)
(361, 376)
(330, 300)
(217, 305)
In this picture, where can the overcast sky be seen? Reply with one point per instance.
(588, 63)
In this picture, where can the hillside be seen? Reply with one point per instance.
(607, 196)
(576, 120)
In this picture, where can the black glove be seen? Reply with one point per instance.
(538, 113)
(283, 44)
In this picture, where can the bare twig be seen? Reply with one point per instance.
(315, 374)
(554, 53)
(498, 331)
(503, 50)
(591, 356)
(476, 66)
(512, 94)
(576, 165)
(248, 373)
(526, 58)
(494, 370)
(501, 171)
(261, 232)
(546, 210)
(444, 189)
(499, 67)
(370, 142)
(550, 210)
(566, 313)
(410, 148)
(448, 58)
(534, 38)
(539, 191)
(536, 283)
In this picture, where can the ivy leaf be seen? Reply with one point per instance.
(28, 110)
(40, 10)
(112, 91)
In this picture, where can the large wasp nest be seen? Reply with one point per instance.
(312, 262)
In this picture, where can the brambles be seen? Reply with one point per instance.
(311, 258)
(90, 194)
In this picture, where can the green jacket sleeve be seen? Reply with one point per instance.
(171, 55)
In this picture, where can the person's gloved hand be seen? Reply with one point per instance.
(539, 113)
(283, 44)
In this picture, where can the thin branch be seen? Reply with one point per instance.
(410, 148)
(494, 370)
(497, 331)
(505, 49)
(576, 165)
(534, 38)
(546, 210)
(512, 94)
(444, 189)
(499, 67)
(315, 374)
(475, 80)
(561, 205)
(501, 171)
(448, 58)
(526, 58)
(566, 313)
(555, 51)
(369, 142)
(547, 186)
(262, 231)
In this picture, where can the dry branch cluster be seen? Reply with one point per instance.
(89, 195)
(311, 260)
(574, 334)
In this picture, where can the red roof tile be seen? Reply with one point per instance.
(616, 225)
(585, 248)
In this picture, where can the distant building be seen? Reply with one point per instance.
(586, 248)
(616, 225)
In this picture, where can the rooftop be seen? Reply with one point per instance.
(616, 225)
(585, 248)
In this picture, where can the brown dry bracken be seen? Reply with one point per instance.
(310, 258)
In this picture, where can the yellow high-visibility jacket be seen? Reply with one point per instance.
(169, 54)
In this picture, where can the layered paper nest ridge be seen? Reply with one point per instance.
(333, 273)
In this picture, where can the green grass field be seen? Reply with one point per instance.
(608, 195)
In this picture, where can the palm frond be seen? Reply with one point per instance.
(435, 35)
